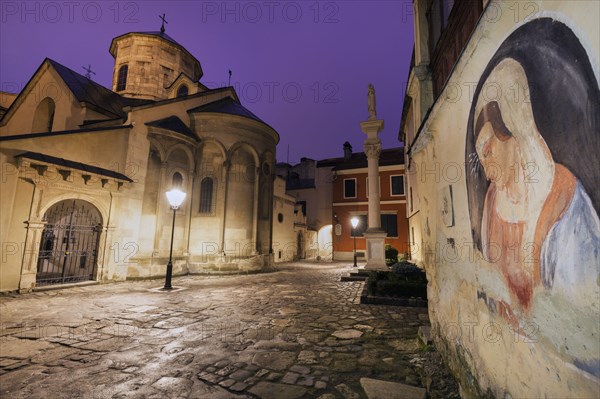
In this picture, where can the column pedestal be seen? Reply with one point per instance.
(35, 229)
(375, 249)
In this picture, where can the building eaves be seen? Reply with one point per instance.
(62, 132)
(229, 106)
(64, 163)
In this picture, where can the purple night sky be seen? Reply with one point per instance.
(301, 66)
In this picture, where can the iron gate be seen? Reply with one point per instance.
(69, 245)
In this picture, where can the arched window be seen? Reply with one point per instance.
(206, 195)
(182, 91)
(122, 78)
(177, 180)
(43, 118)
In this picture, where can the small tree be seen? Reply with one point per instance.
(391, 255)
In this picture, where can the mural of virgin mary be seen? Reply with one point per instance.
(533, 181)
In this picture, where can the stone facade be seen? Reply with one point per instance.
(513, 297)
(119, 154)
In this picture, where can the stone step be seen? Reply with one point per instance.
(357, 275)
(353, 278)
(379, 389)
(197, 267)
(229, 266)
(63, 286)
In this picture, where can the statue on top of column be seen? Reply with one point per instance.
(371, 102)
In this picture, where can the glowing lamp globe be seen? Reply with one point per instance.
(175, 197)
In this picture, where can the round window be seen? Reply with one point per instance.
(280, 217)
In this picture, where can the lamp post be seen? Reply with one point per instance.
(175, 197)
(354, 222)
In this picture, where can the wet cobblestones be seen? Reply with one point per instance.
(297, 332)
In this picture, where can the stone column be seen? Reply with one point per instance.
(35, 228)
(105, 262)
(374, 236)
(255, 211)
(190, 206)
(160, 202)
(225, 180)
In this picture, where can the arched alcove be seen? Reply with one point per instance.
(43, 118)
(324, 242)
(182, 91)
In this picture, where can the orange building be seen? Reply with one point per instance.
(350, 199)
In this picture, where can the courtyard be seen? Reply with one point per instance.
(295, 332)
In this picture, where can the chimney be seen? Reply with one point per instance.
(347, 151)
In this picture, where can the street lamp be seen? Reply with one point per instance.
(175, 197)
(354, 222)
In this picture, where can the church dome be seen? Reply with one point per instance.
(147, 64)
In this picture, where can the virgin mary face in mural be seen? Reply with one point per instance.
(507, 144)
(532, 183)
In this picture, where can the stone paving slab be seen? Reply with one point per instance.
(269, 390)
(296, 333)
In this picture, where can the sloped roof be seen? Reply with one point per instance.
(229, 106)
(174, 124)
(390, 156)
(88, 91)
(160, 34)
(149, 33)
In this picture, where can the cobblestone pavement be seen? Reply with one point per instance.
(297, 332)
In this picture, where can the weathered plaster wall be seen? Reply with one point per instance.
(284, 236)
(507, 330)
(12, 233)
(323, 180)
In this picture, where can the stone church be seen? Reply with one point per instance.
(85, 170)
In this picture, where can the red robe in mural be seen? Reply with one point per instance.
(565, 254)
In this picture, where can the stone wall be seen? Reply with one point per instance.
(506, 162)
